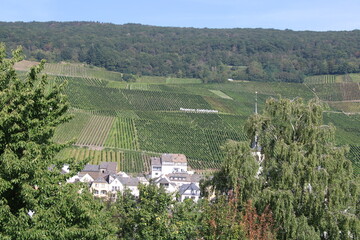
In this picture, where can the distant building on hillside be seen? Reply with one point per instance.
(168, 163)
(105, 182)
(170, 171)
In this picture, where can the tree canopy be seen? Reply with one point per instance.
(35, 201)
(213, 55)
(305, 179)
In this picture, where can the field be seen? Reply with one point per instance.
(130, 122)
(340, 88)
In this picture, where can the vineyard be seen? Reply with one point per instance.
(80, 70)
(354, 155)
(123, 135)
(130, 122)
(127, 161)
(336, 88)
(95, 132)
(72, 129)
(167, 80)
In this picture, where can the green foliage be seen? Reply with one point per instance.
(145, 218)
(30, 175)
(155, 215)
(220, 220)
(213, 55)
(238, 172)
(306, 180)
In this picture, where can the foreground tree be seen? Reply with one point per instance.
(306, 180)
(35, 201)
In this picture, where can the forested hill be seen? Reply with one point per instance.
(209, 54)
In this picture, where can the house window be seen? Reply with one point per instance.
(96, 192)
(103, 192)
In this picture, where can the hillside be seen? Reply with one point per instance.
(130, 122)
(212, 55)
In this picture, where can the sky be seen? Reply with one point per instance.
(315, 15)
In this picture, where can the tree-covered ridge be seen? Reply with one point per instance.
(209, 54)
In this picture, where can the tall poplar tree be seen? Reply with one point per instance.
(35, 201)
(306, 180)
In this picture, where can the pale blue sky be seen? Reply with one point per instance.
(318, 15)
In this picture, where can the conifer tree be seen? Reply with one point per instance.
(35, 201)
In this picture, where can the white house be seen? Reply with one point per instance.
(170, 172)
(108, 186)
(168, 163)
(189, 191)
(106, 182)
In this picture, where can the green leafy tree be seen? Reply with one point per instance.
(220, 219)
(35, 201)
(306, 180)
(146, 217)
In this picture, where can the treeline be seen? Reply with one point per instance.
(213, 55)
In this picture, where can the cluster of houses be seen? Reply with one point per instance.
(169, 171)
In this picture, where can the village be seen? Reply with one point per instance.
(169, 171)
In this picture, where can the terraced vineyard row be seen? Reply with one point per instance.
(95, 132)
(83, 80)
(81, 70)
(155, 101)
(167, 80)
(123, 135)
(201, 165)
(320, 79)
(127, 161)
(347, 127)
(346, 91)
(95, 98)
(72, 129)
(354, 156)
(137, 162)
(194, 142)
(95, 156)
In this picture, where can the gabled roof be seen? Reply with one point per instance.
(110, 167)
(100, 180)
(184, 177)
(129, 181)
(93, 175)
(192, 187)
(163, 180)
(91, 168)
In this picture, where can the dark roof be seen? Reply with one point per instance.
(94, 175)
(129, 181)
(91, 168)
(110, 167)
(162, 180)
(186, 187)
(185, 177)
(100, 180)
